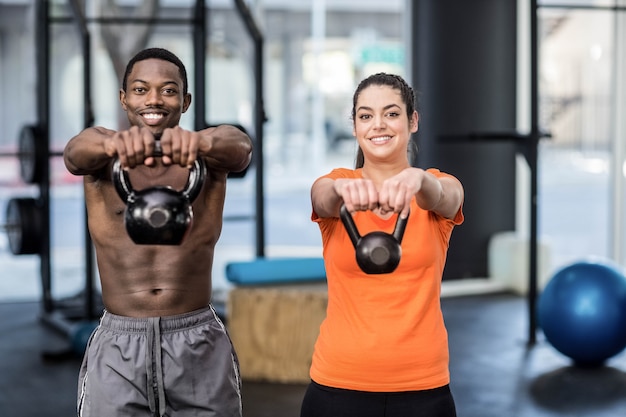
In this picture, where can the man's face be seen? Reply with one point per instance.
(154, 96)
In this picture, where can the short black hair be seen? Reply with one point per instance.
(156, 53)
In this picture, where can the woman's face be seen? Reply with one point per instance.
(381, 125)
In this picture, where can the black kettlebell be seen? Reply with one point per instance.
(158, 215)
(376, 252)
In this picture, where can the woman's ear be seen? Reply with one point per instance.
(414, 123)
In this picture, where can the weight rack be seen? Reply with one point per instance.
(75, 317)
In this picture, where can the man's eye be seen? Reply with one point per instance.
(169, 91)
(139, 90)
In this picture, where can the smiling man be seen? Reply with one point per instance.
(160, 349)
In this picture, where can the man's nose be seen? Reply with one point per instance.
(153, 98)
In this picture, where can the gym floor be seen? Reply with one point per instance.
(494, 373)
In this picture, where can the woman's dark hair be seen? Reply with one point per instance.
(156, 53)
(406, 92)
(394, 81)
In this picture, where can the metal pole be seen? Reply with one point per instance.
(617, 161)
(42, 60)
(532, 161)
(199, 61)
(88, 120)
(259, 120)
(318, 35)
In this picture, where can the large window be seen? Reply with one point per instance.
(581, 67)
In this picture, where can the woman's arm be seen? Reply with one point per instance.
(442, 195)
(327, 195)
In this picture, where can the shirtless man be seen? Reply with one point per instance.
(160, 348)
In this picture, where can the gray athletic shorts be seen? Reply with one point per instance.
(160, 366)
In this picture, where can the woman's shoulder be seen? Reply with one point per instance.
(438, 173)
(343, 173)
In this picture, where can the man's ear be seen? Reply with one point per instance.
(186, 102)
(123, 98)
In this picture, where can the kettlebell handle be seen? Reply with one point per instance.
(353, 232)
(195, 181)
(377, 252)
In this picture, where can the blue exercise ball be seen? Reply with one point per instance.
(582, 312)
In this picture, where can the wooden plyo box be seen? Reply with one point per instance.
(274, 328)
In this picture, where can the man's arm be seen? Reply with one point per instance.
(226, 147)
(85, 153)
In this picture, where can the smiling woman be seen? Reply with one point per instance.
(390, 321)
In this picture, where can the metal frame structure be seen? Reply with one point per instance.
(532, 159)
(51, 313)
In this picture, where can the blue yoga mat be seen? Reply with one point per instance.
(276, 270)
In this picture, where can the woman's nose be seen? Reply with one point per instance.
(379, 121)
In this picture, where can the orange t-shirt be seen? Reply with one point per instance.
(384, 333)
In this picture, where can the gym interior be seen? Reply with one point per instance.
(520, 99)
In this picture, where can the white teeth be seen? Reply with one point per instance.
(381, 139)
(153, 116)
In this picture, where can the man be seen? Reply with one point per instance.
(160, 348)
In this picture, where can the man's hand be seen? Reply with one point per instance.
(179, 146)
(138, 146)
(133, 147)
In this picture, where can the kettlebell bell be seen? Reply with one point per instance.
(377, 252)
(158, 215)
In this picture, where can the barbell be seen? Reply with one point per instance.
(23, 219)
(23, 225)
(32, 154)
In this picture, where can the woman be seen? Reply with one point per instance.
(382, 349)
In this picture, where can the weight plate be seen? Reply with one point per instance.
(23, 225)
(32, 154)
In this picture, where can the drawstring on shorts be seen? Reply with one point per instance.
(154, 368)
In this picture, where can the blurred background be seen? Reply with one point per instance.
(285, 70)
(522, 100)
